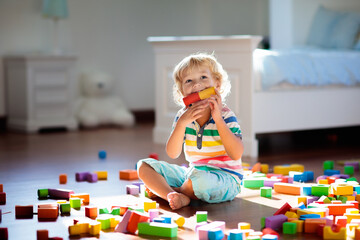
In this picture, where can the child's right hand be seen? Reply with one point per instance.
(193, 112)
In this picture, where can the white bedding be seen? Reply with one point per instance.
(307, 67)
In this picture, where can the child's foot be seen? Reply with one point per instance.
(150, 194)
(256, 167)
(177, 200)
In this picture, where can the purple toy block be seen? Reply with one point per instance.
(153, 213)
(275, 222)
(81, 176)
(121, 227)
(132, 189)
(354, 164)
(270, 182)
(60, 193)
(92, 177)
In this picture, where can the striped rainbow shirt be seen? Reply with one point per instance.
(203, 146)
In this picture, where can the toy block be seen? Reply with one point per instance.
(349, 170)
(323, 181)
(197, 96)
(312, 212)
(341, 220)
(328, 165)
(287, 188)
(269, 237)
(285, 169)
(60, 193)
(351, 216)
(215, 234)
(266, 192)
(338, 209)
(302, 199)
(42, 234)
(284, 208)
(115, 211)
(23, 212)
(289, 214)
(154, 156)
(330, 234)
(153, 213)
(1, 187)
(275, 222)
(264, 168)
(121, 227)
(2, 198)
(167, 219)
(85, 197)
(91, 212)
(355, 203)
(203, 231)
(331, 172)
(135, 218)
(75, 202)
(299, 225)
(253, 183)
(62, 178)
(342, 189)
(270, 231)
(47, 213)
(128, 174)
(235, 234)
(132, 190)
(157, 229)
(94, 228)
(65, 208)
(92, 178)
(320, 190)
(103, 211)
(309, 216)
(102, 154)
(149, 205)
(102, 175)
(311, 224)
(269, 182)
(0, 215)
(43, 193)
(306, 190)
(201, 216)
(289, 228)
(81, 176)
(179, 220)
(159, 220)
(113, 222)
(74, 230)
(105, 222)
(352, 210)
(244, 225)
(4, 233)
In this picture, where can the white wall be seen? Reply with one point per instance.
(110, 35)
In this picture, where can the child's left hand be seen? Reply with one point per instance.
(215, 104)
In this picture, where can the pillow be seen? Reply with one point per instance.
(321, 26)
(343, 34)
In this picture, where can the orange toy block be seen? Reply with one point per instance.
(62, 178)
(48, 211)
(42, 234)
(91, 212)
(287, 188)
(134, 219)
(342, 189)
(1, 187)
(338, 209)
(84, 196)
(311, 224)
(330, 234)
(351, 216)
(128, 174)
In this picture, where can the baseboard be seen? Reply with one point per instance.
(2, 123)
(144, 116)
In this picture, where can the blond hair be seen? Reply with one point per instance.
(196, 60)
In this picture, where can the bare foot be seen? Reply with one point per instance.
(177, 200)
(150, 193)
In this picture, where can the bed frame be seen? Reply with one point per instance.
(257, 111)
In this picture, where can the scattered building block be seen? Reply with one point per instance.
(75, 202)
(331, 172)
(91, 212)
(85, 197)
(203, 231)
(342, 189)
(276, 221)
(102, 154)
(328, 165)
(0, 215)
(94, 228)
(235, 234)
(285, 169)
(284, 208)
(338, 209)
(22, 212)
(330, 234)
(65, 208)
(132, 190)
(201, 216)
(102, 175)
(287, 188)
(92, 177)
(128, 174)
(349, 170)
(299, 225)
(158, 229)
(60, 193)
(4, 233)
(179, 220)
(81, 176)
(159, 219)
(43, 193)
(105, 221)
(264, 168)
(103, 211)
(63, 178)
(48, 212)
(253, 183)
(289, 228)
(216, 234)
(154, 156)
(244, 225)
(115, 211)
(149, 205)
(311, 224)
(1, 187)
(153, 213)
(121, 227)
(2, 198)
(266, 192)
(42, 234)
(135, 218)
(320, 190)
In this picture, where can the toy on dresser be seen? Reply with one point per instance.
(98, 106)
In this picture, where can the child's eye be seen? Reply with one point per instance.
(188, 81)
(203, 77)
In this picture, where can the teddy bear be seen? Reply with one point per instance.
(98, 106)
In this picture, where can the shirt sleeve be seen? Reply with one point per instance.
(231, 121)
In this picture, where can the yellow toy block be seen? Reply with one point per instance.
(342, 189)
(299, 225)
(149, 205)
(330, 234)
(352, 210)
(351, 216)
(285, 169)
(95, 228)
(264, 168)
(321, 211)
(102, 175)
(114, 222)
(323, 181)
(244, 225)
(302, 200)
(179, 220)
(78, 229)
(291, 214)
(350, 198)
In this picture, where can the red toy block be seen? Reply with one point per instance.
(1, 187)
(91, 212)
(134, 219)
(42, 234)
(128, 174)
(311, 224)
(4, 234)
(154, 156)
(286, 207)
(62, 178)
(2, 198)
(270, 231)
(338, 209)
(22, 212)
(56, 238)
(48, 211)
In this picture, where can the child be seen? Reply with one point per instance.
(210, 135)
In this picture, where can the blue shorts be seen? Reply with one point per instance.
(212, 186)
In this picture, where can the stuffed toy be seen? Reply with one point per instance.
(98, 106)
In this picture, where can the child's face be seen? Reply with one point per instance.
(198, 79)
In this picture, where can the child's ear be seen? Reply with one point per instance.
(218, 84)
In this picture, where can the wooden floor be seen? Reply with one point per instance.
(31, 162)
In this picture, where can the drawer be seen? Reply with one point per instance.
(51, 111)
(51, 96)
(50, 78)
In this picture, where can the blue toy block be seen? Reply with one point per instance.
(330, 172)
(357, 189)
(307, 216)
(306, 190)
(102, 154)
(215, 234)
(235, 234)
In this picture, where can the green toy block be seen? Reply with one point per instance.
(353, 179)
(137, 209)
(158, 229)
(65, 208)
(343, 199)
(349, 170)
(253, 238)
(289, 228)
(105, 223)
(262, 222)
(201, 216)
(253, 183)
(103, 211)
(266, 192)
(43, 193)
(75, 203)
(320, 190)
(115, 211)
(328, 165)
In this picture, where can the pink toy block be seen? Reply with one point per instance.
(132, 190)
(203, 231)
(121, 227)
(153, 213)
(275, 222)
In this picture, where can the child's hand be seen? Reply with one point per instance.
(215, 104)
(193, 112)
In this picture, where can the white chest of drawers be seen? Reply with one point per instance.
(40, 92)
